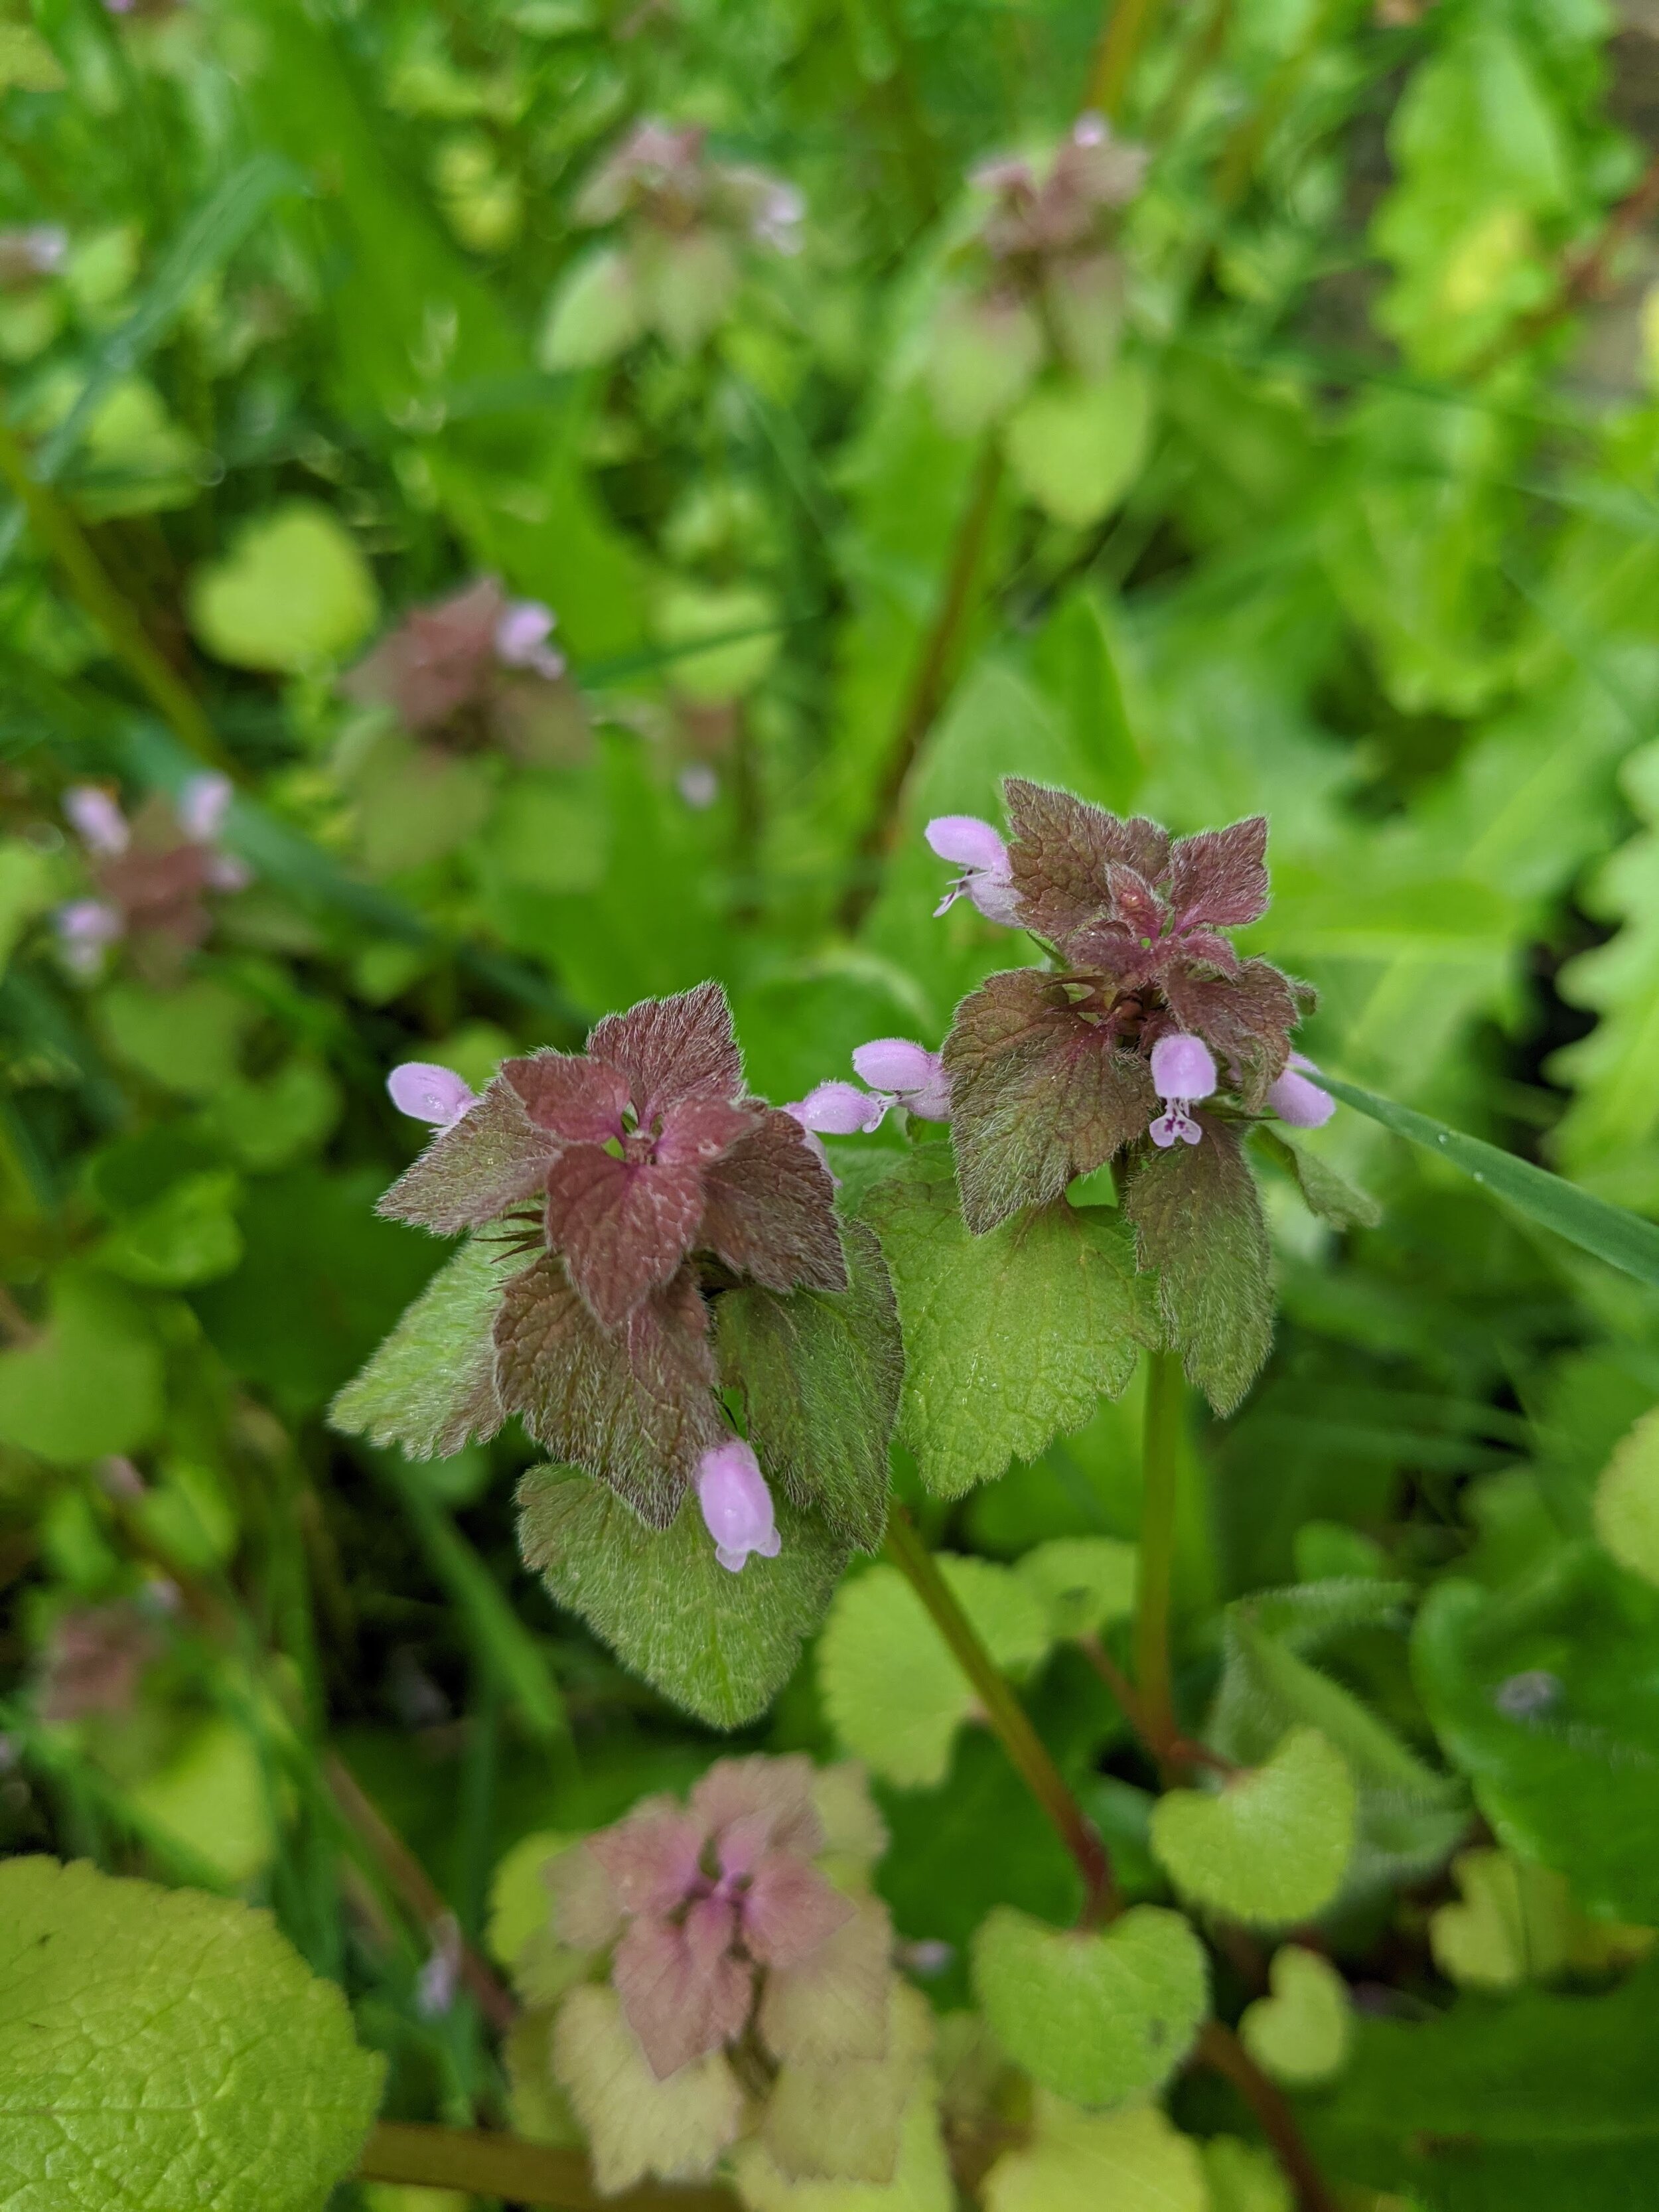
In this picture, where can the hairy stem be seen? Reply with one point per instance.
(1121, 41)
(935, 672)
(60, 536)
(1160, 1476)
(1008, 1719)
(489, 2165)
(1219, 2048)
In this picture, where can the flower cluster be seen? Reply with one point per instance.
(152, 875)
(1041, 286)
(720, 1971)
(898, 1073)
(631, 1184)
(471, 670)
(685, 222)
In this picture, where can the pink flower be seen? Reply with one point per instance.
(838, 1110)
(1303, 1104)
(982, 856)
(901, 1073)
(204, 802)
(84, 928)
(522, 635)
(1182, 1070)
(737, 1505)
(428, 1093)
(98, 821)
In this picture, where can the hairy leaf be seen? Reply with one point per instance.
(431, 1386)
(1270, 1846)
(769, 1211)
(1082, 1581)
(819, 1375)
(672, 1050)
(720, 1645)
(844, 2122)
(1627, 1500)
(1061, 848)
(1325, 1190)
(1134, 2161)
(1303, 2032)
(636, 2124)
(1011, 1338)
(161, 2048)
(489, 1160)
(1198, 1220)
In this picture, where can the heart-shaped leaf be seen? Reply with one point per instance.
(1095, 2016)
(1302, 2032)
(294, 590)
(1131, 2161)
(1272, 1846)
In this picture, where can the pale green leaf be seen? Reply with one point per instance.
(1010, 1339)
(1082, 1581)
(521, 1904)
(188, 1039)
(93, 1328)
(593, 315)
(1627, 1500)
(636, 2124)
(1096, 2015)
(1247, 2178)
(1516, 1923)
(170, 2038)
(922, 2180)
(1131, 2161)
(1325, 1189)
(1268, 1847)
(1076, 447)
(845, 2122)
(431, 1386)
(892, 1689)
(292, 592)
(1301, 2033)
(213, 1796)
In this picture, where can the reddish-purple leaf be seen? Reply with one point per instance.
(681, 1991)
(1039, 1093)
(1219, 878)
(1246, 1020)
(1197, 1220)
(789, 1909)
(1061, 850)
(473, 1171)
(652, 1859)
(635, 1408)
(1135, 905)
(778, 1792)
(698, 1132)
(673, 1050)
(580, 1101)
(623, 1226)
(769, 1211)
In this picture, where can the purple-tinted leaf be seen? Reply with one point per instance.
(833, 2006)
(635, 1408)
(1061, 850)
(1135, 905)
(681, 1990)
(700, 1132)
(473, 1171)
(777, 1791)
(1219, 878)
(1198, 1220)
(580, 1101)
(769, 1211)
(673, 1050)
(1039, 1093)
(586, 1912)
(652, 1859)
(1245, 1019)
(789, 1910)
(623, 1226)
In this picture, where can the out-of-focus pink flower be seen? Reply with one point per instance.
(737, 1505)
(1303, 1104)
(1183, 1070)
(204, 803)
(85, 929)
(982, 856)
(905, 1074)
(98, 820)
(521, 636)
(427, 1092)
(698, 785)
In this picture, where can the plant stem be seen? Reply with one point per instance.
(488, 2165)
(1008, 1719)
(60, 536)
(1160, 1479)
(935, 670)
(1121, 41)
(1219, 2048)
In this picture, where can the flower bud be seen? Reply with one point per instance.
(1182, 1068)
(428, 1093)
(1303, 1104)
(737, 1505)
(98, 821)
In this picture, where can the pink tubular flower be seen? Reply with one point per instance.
(838, 1110)
(982, 856)
(901, 1073)
(737, 1505)
(1183, 1071)
(98, 821)
(1303, 1104)
(521, 636)
(430, 1093)
(85, 927)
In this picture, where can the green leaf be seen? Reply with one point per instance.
(1325, 1190)
(1622, 1239)
(188, 1235)
(891, 1688)
(520, 1906)
(213, 1796)
(188, 1039)
(1082, 1581)
(1198, 1221)
(720, 1645)
(30, 881)
(845, 2121)
(1076, 447)
(1095, 2015)
(161, 2048)
(1302, 2033)
(293, 593)
(1627, 1500)
(26, 61)
(1270, 1846)
(1134, 2161)
(1548, 1698)
(94, 1329)
(1534, 2105)
(431, 1386)
(1009, 1337)
(1516, 1923)
(594, 313)
(820, 1374)
(1245, 2177)
(922, 2179)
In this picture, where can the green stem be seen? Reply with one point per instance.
(1007, 1717)
(1160, 1479)
(61, 536)
(487, 2164)
(1121, 42)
